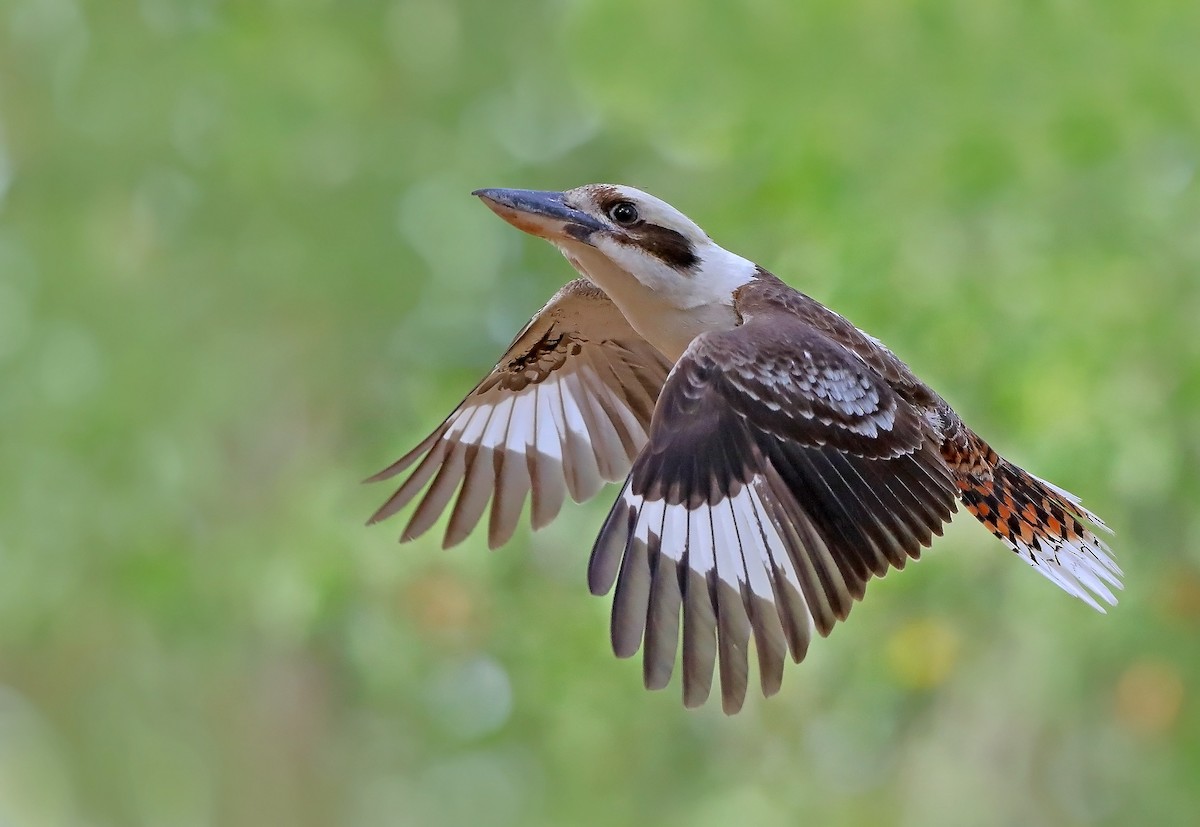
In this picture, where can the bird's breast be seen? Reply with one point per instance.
(659, 320)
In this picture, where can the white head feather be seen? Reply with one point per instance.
(669, 278)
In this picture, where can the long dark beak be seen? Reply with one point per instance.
(544, 214)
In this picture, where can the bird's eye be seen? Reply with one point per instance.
(623, 213)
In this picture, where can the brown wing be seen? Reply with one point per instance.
(769, 293)
(566, 409)
(782, 473)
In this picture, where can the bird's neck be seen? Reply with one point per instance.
(668, 319)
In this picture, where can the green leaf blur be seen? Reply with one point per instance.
(240, 270)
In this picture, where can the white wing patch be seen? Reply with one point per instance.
(566, 409)
(566, 435)
(725, 567)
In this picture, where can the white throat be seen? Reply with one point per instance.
(667, 307)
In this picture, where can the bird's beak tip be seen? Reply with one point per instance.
(540, 213)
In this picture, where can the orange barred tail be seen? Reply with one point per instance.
(1044, 524)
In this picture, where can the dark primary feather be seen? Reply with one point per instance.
(840, 476)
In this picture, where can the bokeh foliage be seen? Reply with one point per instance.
(240, 270)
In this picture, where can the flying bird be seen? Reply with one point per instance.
(773, 457)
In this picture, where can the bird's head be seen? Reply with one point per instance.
(611, 232)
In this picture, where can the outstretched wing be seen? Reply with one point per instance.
(781, 474)
(566, 409)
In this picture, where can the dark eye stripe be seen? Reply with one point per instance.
(666, 244)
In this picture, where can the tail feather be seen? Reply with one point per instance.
(1044, 524)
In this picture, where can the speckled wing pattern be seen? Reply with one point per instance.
(566, 409)
(1046, 526)
(782, 473)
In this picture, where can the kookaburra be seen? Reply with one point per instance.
(774, 457)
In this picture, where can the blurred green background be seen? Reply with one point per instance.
(240, 270)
